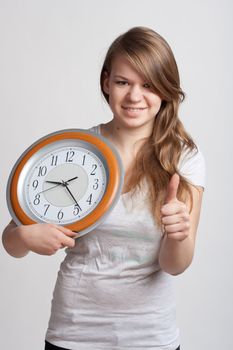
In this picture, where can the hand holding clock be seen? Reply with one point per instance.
(43, 239)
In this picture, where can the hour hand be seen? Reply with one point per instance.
(55, 182)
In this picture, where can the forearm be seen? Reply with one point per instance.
(13, 241)
(175, 256)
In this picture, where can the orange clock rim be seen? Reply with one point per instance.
(111, 190)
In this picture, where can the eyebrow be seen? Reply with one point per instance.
(120, 76)
(124, 78)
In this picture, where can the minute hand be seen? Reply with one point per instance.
(66, 186)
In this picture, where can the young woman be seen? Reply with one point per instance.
(114, 288)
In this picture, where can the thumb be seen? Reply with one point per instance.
(172, 188)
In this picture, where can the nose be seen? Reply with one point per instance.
(134, 94)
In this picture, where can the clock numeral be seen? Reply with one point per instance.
(96, 184)
(47, 207)
(60, 215)
(42, 171)
(77, 209)
(69, 156)
(37, 200)
(35, 184)
(84, 158)
(54, 160)
(89, 199)
(94, 166)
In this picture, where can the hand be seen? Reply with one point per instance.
(46, 239)
(175, 215)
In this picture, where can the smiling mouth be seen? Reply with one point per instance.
(134, 109)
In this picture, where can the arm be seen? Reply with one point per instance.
(13, 242)
(178, 243)
(44, 239)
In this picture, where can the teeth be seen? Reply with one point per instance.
(134, 109)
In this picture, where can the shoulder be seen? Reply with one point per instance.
(95, 129)
(192, 166)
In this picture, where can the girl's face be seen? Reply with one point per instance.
(131, 98)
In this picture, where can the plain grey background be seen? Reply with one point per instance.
(51, 55)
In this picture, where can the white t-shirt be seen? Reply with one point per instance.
(110, 292)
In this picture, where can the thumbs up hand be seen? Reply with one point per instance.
(175, 215)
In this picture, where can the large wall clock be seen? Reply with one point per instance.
(72, 178)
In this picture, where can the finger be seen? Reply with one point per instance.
(184, 226)
(172, 188)
(72, 234)
(175, 219)
(67, 241)
(171, 219)
(173, 208)
(66, 231)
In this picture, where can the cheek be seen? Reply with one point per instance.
(111, 101)
(156, 102)
(114, 97)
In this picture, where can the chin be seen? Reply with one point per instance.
(134, 123)
(130, 123)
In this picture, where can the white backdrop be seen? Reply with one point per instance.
(51, 55)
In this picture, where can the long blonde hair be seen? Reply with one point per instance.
(157, 159)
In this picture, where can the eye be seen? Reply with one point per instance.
(121, 82)
(147, 86)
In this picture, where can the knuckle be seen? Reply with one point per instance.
(185, 216)
(164, 220)
(163, 210)
(187, 224)
(53, 227)
(71, 243)
(49, 226)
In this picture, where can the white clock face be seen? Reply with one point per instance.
(62, 185)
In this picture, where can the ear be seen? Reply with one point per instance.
(106, 82)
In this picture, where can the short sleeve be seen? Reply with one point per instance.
(95, 129)
(192, 166)
(92, 129)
